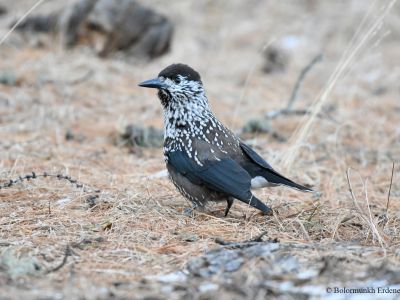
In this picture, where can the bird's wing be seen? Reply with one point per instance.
(223, 175)
(269, 173)
(255, 157)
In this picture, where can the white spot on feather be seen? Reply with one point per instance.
(259, 182)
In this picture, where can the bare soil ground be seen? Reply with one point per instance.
(56, 242)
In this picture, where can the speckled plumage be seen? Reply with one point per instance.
(205, 160)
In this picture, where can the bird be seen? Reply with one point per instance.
(205, 160)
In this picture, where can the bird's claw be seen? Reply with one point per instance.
(188, 212)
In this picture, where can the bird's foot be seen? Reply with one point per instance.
(188, 212)
(268, 212)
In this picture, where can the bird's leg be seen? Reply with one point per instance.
(189, 211)
(229, 201)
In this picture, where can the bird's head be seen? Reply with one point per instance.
(178, 85)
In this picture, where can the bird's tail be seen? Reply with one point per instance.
(274, 177)
(257, 203)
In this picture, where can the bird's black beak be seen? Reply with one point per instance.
(153, 83)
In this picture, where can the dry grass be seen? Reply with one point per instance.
(137, 226)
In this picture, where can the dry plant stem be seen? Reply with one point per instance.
(303, 229)
(369, 220)
(313, 212)
(372, 223)
(390, 188)
(20, 20)
(336, 227)
(348, 58)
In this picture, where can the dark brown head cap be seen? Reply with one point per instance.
(174, 70)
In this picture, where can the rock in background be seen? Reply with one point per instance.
(107, 26)
(3, 10)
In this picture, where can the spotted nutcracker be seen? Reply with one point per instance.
(206, 161)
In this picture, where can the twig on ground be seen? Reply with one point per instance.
(33, 175)
(313, 209)
(68, 252)
(254, 125)
(259, 237)
(235, 245)
(75, 81)
(288, 111)
(300, 79)
(244, 244)
(285, 112)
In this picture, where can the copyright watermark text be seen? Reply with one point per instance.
(364, 290)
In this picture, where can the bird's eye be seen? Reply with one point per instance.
(177, 80)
